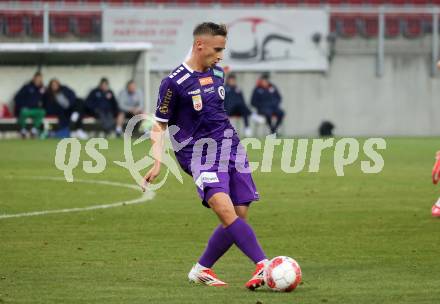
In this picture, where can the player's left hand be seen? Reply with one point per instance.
(436, 169)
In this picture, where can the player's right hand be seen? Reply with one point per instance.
(436, 169)
(150, 176)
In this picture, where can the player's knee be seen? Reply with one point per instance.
(226, 215)
(223, 211)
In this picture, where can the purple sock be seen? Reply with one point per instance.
(218, 244)
(245, 239)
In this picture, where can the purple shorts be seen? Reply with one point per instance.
(229, 174)
(239, 186)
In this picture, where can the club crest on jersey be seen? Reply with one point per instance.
(221, 92)
(206, 81)
(197, 102)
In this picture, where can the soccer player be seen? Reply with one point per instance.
(191, 98)
(435, 178)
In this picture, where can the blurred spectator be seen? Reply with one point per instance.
(131, 100)
(28, 104)
(235, 104)
(326, 129)
(102, 104)
(61, 101)
(266, 99)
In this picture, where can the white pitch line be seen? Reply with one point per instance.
(146, 196)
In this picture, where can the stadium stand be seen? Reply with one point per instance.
(85, 25)
(14, 24)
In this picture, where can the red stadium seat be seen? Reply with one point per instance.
(226, 2)
(268, 2)
(346, 26)
(36, 25)
(115, 2)
(398, 2)
(369, 26)
(312, 2)
(333, 21)
(206, 2)
(161, 1)
(291, 2)
(248, 2)
(2, 25)
(86, 24)
(14, 24)
(412, 26)
(335, 2)
(392, 26)
(419, 2)
(59, 24)
(139, 2)
(374, 2)
(184, 2)
(355, 2)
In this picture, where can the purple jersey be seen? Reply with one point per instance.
(193, 101)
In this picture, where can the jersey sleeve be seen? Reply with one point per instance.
(166, 101)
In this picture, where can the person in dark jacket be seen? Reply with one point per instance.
(267, 99)
(61, 101)
(102, 104)
(28, 104)
(235, 104)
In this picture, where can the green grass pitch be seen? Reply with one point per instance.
(359, 238)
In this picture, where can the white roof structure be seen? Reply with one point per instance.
(72, 53)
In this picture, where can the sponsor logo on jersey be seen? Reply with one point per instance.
(195, 92)
(218, 73)
(209, 90)
(197, 102)
(206, 81)
(221, 92)
(183, 78)
(163, 108)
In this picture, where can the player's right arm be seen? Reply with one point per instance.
(436, 169)
(157, 142)
(165, 105)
